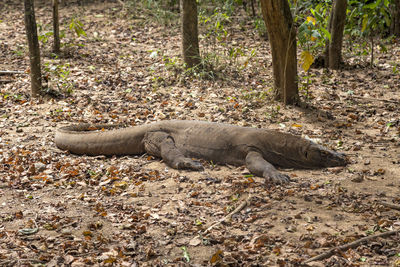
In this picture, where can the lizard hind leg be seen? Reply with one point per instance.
(161, 144)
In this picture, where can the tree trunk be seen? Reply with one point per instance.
(253, 10)
(327, 41)
(190, 36)
(282, 35)
(336, 28)
(34, 51)
(56, 28)
(395, 25)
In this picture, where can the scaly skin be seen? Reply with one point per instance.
(177, 142)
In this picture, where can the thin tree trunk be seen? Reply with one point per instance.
(190, 36)
(282, 35)
(338, 20)
(395, 25)
(56, 28)
(372, 52)
(253, 10)
(329, 29)
(34, 51)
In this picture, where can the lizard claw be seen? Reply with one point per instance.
(277, 177)
(189, 164)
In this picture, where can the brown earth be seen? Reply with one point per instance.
(135, 211)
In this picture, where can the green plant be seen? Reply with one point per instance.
(76, 26)
(44, 33)
(214, 25)
(239, 58)
(311, 36)
(173, 65)
(204, 71)
(395, 68)
(367, 20)
(20, 51)
(306, 80)
(259, 25)
(160, 11)
(273, 112)
(250, 94)
(58, 74)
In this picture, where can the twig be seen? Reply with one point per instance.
(228, 217)
(6, 81)
(7, 72)
(375, 99)
(390, 205)
(353, 244)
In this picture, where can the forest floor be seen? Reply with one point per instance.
(62, 209)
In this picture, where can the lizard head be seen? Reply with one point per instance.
(317, 155)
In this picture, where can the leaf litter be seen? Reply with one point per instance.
(61, 209)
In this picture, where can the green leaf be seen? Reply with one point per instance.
(364, 23)
(326, 33)
(372, 5)
(317, 15)
(185, 254)
(77, 26)
(387, 18)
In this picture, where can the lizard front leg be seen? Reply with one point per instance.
(161, 144)
(257, 165)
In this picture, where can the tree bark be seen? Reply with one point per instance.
(327, 41)
(34, 51)
(253, 10)
(336, 28)
(395, 24)
(190, 36)
(56, 28)
(282, 36)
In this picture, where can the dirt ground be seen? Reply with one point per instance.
(59, 209)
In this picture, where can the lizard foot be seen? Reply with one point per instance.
(189, 164)
(276, 177)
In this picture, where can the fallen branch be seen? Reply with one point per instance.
(375, 99)
(353, 244)
(390, 205)
(8, 72)
(6, 81)
(227, 217)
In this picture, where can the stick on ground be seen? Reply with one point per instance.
(9, 72)
(227, 217)
(390, 205)
(353, 244)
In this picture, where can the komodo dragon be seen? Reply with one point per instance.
(177, 142)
